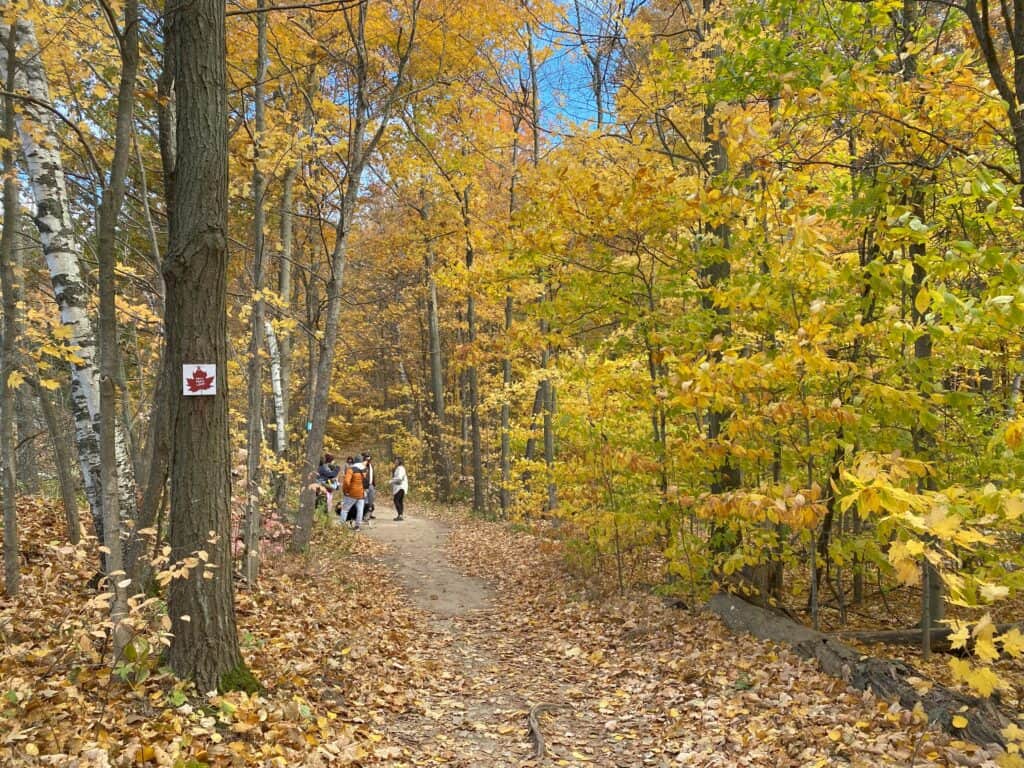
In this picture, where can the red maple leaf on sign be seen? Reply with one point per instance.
(199, 381)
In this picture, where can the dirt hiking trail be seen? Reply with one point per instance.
(415, 555)
(463, 628)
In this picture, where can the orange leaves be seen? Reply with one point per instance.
(799, 509)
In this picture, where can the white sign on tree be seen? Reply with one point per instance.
(198, 379)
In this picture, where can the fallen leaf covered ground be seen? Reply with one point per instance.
(356, 674)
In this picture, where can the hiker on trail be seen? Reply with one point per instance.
(354, 488)
(327, 476)
(371, 486)
(399, 486)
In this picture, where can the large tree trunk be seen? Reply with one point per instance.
(8, 348)
(254, 441)
(38, 131)
(887, 679)
(204, 644)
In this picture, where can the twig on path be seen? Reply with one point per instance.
(534, 726)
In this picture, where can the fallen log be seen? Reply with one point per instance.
(940, 636)
(886, 678)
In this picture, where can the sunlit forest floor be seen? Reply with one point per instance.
(429, 646)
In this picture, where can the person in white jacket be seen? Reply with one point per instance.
(399, 486)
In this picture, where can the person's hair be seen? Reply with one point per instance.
(350, 460)
(328, 458)
(398, 460)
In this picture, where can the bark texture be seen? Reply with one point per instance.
(204, 647)
(8, 348)
(276, 385)
(38, 132)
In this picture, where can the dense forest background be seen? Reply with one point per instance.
(719, 293)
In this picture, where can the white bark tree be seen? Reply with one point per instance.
(37, 123)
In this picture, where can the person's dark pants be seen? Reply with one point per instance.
(400, 502)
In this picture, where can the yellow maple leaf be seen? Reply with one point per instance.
(982, 680)
(1013, 507)
(1013, 732)
(958, 639)
(991, 592)
(907, 570)
(1013, 643)
(943, 524)
(914, 547)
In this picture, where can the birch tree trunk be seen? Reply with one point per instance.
(276, 385)
(280, 349)
(37, 130)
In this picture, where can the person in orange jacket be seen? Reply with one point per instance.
(354, 488)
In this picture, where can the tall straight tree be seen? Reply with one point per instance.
(8, 348)
(38, 129)
(204, 646)
(367, 126)
(109, 214)
(254, 442)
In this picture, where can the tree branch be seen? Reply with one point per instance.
(67, 121)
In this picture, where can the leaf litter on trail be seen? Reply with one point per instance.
(355, 675)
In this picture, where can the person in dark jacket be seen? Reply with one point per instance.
(371, 486)
(327, 472)
(327, 477)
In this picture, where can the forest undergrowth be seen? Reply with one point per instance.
(353, 674)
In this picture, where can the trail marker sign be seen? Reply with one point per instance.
(198, 379)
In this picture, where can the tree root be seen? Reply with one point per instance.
(533, 725)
